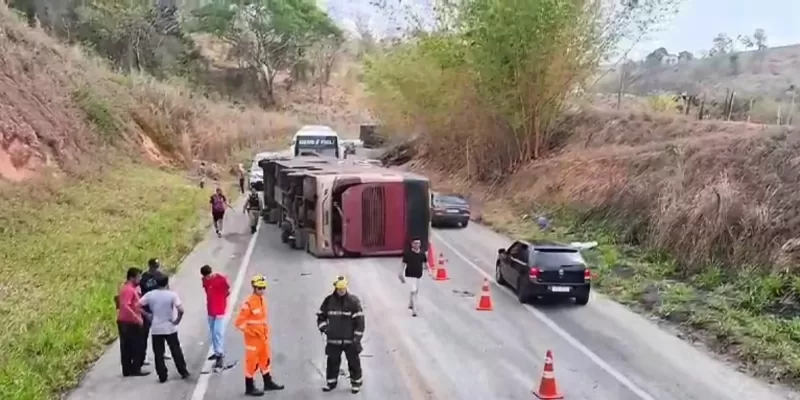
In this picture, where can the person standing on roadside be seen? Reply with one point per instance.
(413, 264)
(218, 203)
(217, 288)
(253, 321)
(130, 323)
(148, 283)
(165, 303)
(241, 178)
(253, 208)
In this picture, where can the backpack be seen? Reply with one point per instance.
(253, 202)
(217, 203)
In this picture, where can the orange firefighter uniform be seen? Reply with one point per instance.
(252, 321)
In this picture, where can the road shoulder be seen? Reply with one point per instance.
(104, 380)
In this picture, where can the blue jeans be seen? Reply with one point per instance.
(217, 330)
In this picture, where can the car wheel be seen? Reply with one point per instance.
(521, 296)
(465, 224)
(498, 275)
(582, 300)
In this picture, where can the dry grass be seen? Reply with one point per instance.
(719, 198)
(64, 107)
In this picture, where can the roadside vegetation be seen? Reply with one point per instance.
(696, 219)
(108, 105)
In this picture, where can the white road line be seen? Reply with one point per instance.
(201, 388)
(639, 392)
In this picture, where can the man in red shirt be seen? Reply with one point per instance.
(130, 323)
(217, 290)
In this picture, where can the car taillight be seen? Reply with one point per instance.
(587, 274)
(534, 273)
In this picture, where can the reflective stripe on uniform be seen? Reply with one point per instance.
(356, 381)
(343, 313)
(358, 314)
(335, 341)
(331, 380)
(250, 348)
(358, 333)
(322, 324)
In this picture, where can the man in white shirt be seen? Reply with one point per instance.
(164, 304)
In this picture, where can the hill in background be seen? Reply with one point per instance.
(767, 77)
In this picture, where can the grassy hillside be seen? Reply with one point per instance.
(93, 180)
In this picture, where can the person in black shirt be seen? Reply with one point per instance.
(149, 282)
(413, 266)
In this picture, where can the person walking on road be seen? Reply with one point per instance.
(218, 203)
(217, 290)
(201, 171)
(130, 321)
(253, 209)
(165, 304)
(254, 323)
(413, 264)
(240, 171)
(148, 283)
(341, 319)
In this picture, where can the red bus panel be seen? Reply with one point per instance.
(374, 218)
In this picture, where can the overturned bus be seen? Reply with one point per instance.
(345, 208)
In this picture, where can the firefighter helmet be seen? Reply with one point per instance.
(259, 281)
(340, 283)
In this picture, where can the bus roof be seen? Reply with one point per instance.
(326, 166)
(316, 130)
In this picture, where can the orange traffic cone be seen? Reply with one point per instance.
(431, 259)
(485, 302)
(548, 389)
(441, 270)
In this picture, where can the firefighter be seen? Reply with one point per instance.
(341, 319)
(252, 321)
(253, 209)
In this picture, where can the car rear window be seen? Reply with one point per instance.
(451, 200)
(558, 257)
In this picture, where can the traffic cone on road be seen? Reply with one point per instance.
(431, 256)
(548, 389)
(441, 269)
(485, 301)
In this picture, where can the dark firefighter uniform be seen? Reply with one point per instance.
(341, 319)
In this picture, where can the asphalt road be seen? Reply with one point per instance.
(451, 351)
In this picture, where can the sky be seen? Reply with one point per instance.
(692, 29)
(698, 21)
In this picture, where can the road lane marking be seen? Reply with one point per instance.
(201, 388)
(622, 379)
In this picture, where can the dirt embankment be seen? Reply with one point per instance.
(718, 199)
(64, 110)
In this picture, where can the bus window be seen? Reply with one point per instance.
(322, 145)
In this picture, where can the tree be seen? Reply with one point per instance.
(760, 38)
(685, 56)
(269, 36)
(722, 45)
(324, 54)
(656, 57)
(746, 41)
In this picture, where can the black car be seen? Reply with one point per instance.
(449, 209)
(542, 269)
